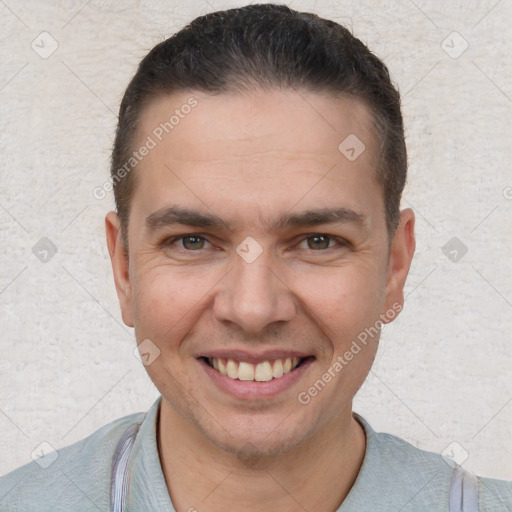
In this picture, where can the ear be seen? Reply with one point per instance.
(120, 266)
(400, 257)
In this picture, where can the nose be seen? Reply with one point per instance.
(253, 296)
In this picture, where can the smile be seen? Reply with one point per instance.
(261, 372)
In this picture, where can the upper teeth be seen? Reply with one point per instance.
(261, 372)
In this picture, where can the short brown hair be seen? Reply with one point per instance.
(267, 45)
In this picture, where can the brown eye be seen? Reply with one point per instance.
(316, 242)
(193, 242)
(185, 243)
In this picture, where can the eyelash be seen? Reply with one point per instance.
(341, 241)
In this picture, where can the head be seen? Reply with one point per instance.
(274, 140)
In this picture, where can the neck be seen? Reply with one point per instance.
(201, 476)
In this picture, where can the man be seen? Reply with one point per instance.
(257, 249)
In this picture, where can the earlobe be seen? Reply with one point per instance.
(400, 257)
(120, 266)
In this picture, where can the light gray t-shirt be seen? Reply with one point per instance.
(395, 476)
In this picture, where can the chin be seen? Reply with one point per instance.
(251, 449)
(259, 438)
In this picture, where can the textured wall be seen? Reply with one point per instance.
(443, 373)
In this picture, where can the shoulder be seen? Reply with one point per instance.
(390, 452)
(413, 478)
(495, 495)
(75, 475)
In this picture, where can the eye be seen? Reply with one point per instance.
(190, 242)
(320, 241)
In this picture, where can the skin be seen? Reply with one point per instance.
(247, 158)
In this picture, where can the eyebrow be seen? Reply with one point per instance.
(179, 215)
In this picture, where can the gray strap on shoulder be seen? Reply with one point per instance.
(463, 491)
(119, 481)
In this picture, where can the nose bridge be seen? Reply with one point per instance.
(252, 295)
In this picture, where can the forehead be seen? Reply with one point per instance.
(274, 120)
(263, 146)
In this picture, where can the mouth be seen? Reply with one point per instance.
(263, 371)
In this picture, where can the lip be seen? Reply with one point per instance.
(252, 390)
(253, 357)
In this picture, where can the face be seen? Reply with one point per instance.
(258, 254)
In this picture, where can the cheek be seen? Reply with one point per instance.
(344, 298)
(163, 302)
(349, 312)
(168, 302)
